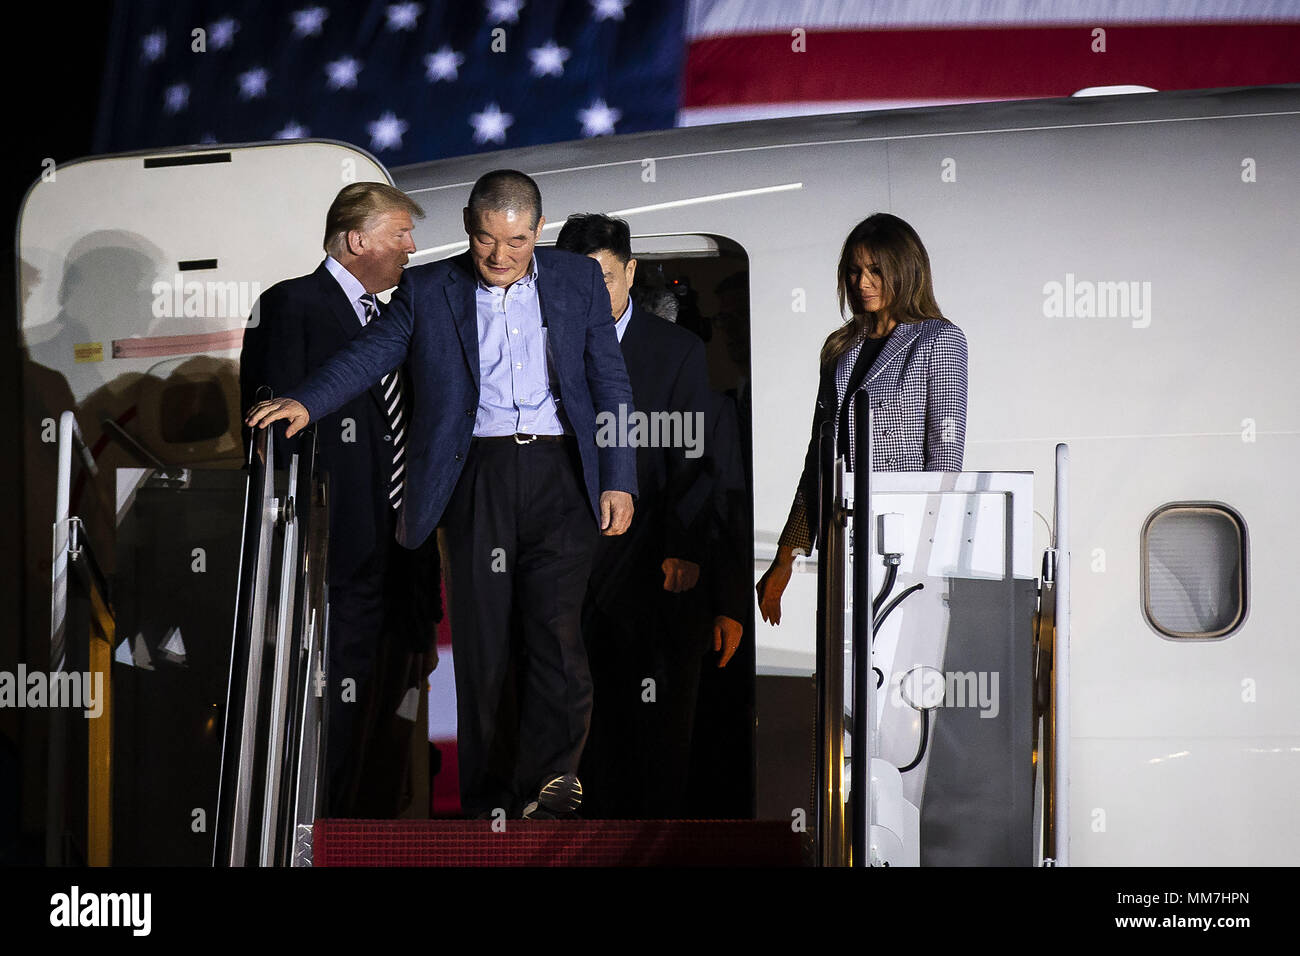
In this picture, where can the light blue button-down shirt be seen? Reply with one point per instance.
(350, 284)
(620, 325)
(514, 394)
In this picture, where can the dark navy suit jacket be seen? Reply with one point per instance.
(431, 324)
(666, 366)
(300, 324)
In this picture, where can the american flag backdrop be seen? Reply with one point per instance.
(414, 81)
(409, 81)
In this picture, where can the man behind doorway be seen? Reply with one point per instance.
(646, 623)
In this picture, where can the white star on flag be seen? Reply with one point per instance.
(402, 16)
(598, 119)
(343, 73)
(608, 9)
(548, 60)
(253, 84)
(153, 45)
(293, 130)
(442, 65)
(386, 132)
(490, 125)
(504, 11)
(176, 97)
(222, 33)
(308, 21)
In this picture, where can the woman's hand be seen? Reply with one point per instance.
(773, 583)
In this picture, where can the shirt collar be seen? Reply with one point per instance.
(526, 280)
(620, 324)
(350, 284)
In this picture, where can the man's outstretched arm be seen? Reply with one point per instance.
(379, 348)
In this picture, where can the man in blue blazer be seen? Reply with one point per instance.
(514, 363)
(383, 598)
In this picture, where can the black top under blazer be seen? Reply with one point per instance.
(917, 389)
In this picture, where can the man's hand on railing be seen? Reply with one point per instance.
(263, 413)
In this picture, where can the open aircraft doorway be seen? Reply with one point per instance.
(701, 282)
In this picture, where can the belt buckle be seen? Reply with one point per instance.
(531, 439)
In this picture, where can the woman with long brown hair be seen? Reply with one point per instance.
(898, 347)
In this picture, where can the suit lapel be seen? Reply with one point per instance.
(632, 345)
(340, 308)
(461, 301)
(555, 303)
(346, 317)
(899, 339)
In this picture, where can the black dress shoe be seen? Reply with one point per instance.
(559, 799)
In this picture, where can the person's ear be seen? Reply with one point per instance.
(356, 244)
(630, 272)
(464, 215)
(537, 233)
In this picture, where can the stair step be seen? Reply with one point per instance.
(556, 843)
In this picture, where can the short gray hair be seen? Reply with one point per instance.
(505, 190)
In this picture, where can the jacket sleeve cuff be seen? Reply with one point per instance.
(796, 533)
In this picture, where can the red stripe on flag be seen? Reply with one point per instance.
(977, 63)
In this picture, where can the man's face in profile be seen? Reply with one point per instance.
(387, 245)
(501, 243)
(618, 278)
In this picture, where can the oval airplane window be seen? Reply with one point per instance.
(1194, 570)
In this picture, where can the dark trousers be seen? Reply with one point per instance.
(517, 539)
(381, 623)
(356, 623)
(646, 655)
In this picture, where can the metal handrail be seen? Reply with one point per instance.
(829, 830)
(1060, 710)
(234, 789)
(69, 436)
(310, 729)
(284, 647)
(72, 551)
(864, 705)
(288, 621)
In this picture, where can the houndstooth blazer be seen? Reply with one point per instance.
(917, 389)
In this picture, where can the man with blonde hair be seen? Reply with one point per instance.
(383, 598)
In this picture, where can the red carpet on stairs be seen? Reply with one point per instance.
(555, 843)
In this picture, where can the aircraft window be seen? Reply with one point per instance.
(1194, 570)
